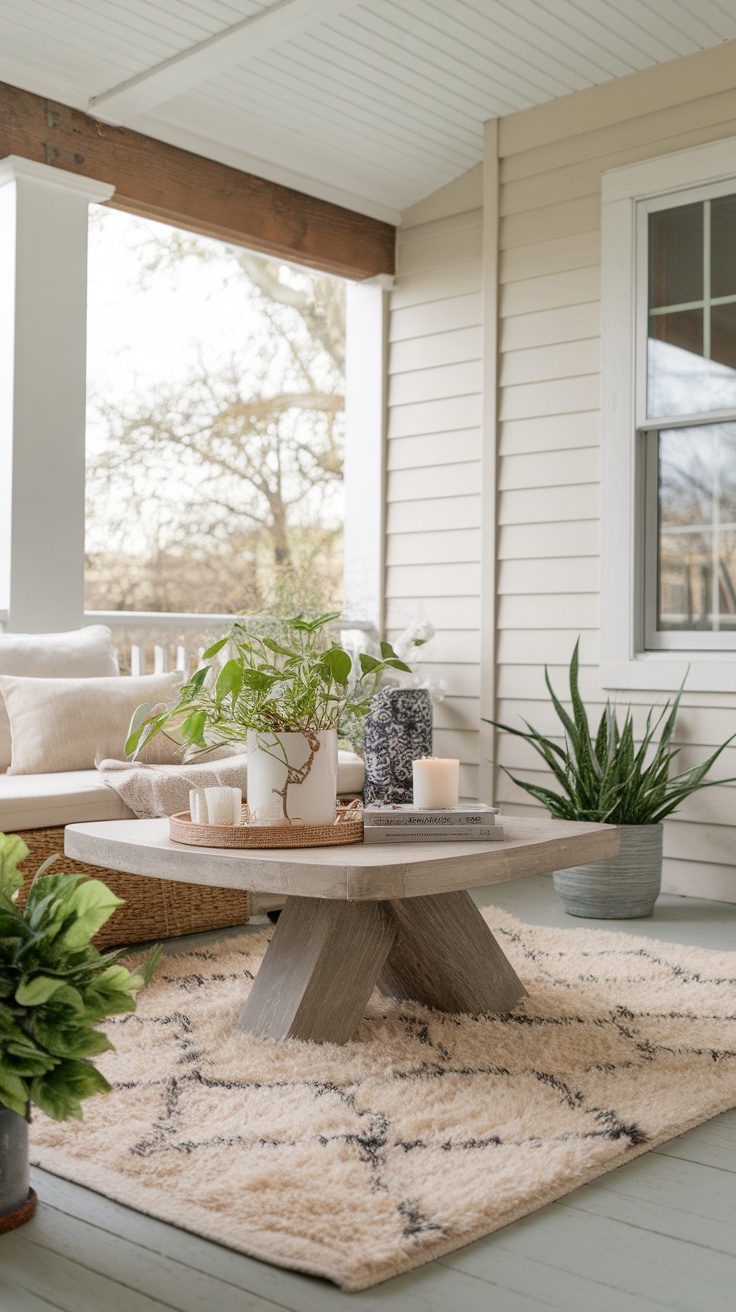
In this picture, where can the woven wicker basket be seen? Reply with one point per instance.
(154, 908)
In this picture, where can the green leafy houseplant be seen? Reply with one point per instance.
(300, 682)
(55, 987)
(608, 778)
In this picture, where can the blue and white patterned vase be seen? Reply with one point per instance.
(398, 729)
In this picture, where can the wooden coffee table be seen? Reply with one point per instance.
(395, 915)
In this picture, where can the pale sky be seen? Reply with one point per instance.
(152, 335)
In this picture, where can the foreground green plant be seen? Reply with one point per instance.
(55, 987)
(608, 778)
(299, 682)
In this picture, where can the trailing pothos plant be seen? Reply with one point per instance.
(55, 987)
(300, 682)
(608, 778)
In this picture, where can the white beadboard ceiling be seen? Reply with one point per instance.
(370, 103)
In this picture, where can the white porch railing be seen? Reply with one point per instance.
(153, 643)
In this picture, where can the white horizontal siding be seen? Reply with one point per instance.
(455, 613)
(434, 449)
(415, 322)
(450, 480)
(451, 346)
(578, 538)
(434, 548)
(536, 364)
(550, 469)
(549, 432)
(433, 514)
(433, 459)
(549, 491)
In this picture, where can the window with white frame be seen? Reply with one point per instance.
(669, 421)
(686, 402)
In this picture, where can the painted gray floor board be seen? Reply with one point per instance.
(628, 1242)
(560, 1290)
(659, 1218)
(143, 1270)
(679, 1275)
(676, 919)
(705, 1154)
(155, 1240)
(685, 1187)
(70, 1286)
(15, 1299)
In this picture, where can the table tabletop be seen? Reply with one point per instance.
(353, 873)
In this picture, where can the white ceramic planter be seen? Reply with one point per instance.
(294, 769)
(624, 887)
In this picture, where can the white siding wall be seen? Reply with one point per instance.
(434, 448)
(548, 420)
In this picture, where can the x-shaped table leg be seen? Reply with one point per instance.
(326, 957)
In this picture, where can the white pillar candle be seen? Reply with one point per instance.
(223, 806)
(436, 783)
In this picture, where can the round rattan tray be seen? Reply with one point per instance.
(344, 830)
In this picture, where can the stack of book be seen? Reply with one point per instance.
(410, 824)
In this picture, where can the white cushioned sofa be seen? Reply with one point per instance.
(38, 804)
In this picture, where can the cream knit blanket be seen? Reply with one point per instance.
(159, 790)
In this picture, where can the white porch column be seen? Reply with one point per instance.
(366, 382)
(43, 347)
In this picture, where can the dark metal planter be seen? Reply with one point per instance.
(17, 1199)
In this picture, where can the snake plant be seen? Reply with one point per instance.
(608, 777)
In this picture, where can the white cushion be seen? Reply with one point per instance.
(80, 654)
(65, 724)
(41, 801)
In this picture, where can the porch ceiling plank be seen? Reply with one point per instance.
(241, 42)
(192, 192)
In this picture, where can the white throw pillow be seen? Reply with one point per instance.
(81, 654)
(63, 724)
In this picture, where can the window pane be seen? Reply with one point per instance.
(723, 334)
(691, 354)
(676, 255)
(215, 425)
(723, 246)
(680, 380)
(683, 329)
(697, 528)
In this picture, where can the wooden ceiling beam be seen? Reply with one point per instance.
(190, 191)
(237, 44)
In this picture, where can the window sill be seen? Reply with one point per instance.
(664, 672)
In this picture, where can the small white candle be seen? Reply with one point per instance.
(215, 806)
(436, 783)
(198, 806)
(223, 806)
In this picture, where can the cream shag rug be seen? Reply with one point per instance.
(424, 1133)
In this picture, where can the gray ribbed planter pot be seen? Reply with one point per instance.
(14, 1175)
(624, 887)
